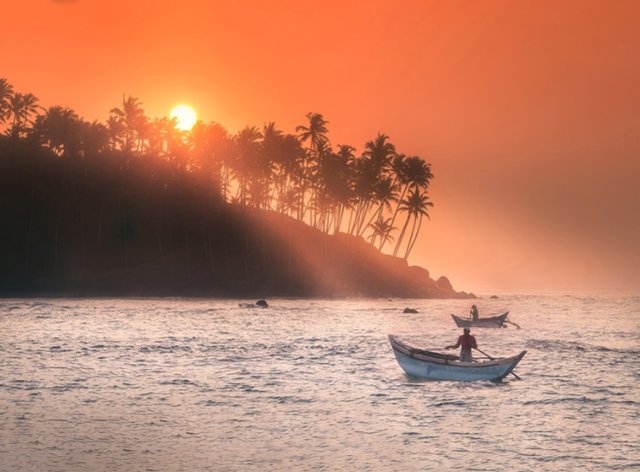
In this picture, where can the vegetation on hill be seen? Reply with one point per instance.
(135, 206)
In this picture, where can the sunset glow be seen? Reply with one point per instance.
(249, 235)
(185, 115)
(528, 111)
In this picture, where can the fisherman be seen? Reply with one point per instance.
(465, 342)
(474, 313)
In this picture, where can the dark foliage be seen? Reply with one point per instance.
(136, 207)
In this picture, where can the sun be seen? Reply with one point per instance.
(185, 115)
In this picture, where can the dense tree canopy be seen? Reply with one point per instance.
(380, 194)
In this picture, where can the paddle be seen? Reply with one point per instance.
(493, 358)
(514, 324)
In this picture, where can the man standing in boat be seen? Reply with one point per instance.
(466, 342)
(474, 313)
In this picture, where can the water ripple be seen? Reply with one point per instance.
(119, 385)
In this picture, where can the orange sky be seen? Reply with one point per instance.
(529, 111)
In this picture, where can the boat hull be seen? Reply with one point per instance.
(490, 322)
(434, 366)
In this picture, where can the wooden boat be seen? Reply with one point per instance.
(430, 365)
(489, 322)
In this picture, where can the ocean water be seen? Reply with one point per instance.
(205, 385)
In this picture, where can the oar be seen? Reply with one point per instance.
(514, 324)
(485, 354)
(493, 358)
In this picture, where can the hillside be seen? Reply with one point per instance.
(82, 227)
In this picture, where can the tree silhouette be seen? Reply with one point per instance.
(22, 109)
(415, 205)
(373, 169)
(95, 138)
(60, 129)
(299, 175)
(115, 128)
(243, 168)
(382, 229)
(131, 120)
(6, 93)
(413, 173)
(315, 132)
(210, 151)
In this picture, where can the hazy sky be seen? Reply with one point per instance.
(529, 111)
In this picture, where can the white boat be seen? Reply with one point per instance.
(430, 365)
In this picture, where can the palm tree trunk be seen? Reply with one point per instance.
(395, 213)
(410, 247)
(411, 236)
(363, 217)
(355, 229)
(401, 236)
(340, 217)
(383, 241)
(376, 214)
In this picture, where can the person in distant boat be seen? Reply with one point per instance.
(474, 313)
(466, 342)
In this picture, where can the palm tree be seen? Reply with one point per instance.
(6, 92)
(131, 118)
(419, 212)
(175, 145)
(332, 180)
(61, 130)
(243, 164)
(156, 145)
(372, 170)
(210, 148)
(288, 173)
(271, 149)
(116, 131)
(290, 202)
(382, 229)
(380, 152)
(315, 133)
(95, 138)
(415, 206)
(22, 107)
(413, 173)
(342, 187)
(385, 193)
(364, 182)
(418, 172)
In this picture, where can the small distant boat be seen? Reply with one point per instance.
(489, 322)
(430, 365)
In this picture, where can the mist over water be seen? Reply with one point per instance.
(172, 385)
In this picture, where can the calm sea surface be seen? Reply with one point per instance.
(191, 385)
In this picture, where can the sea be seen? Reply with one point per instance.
(312, 384)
